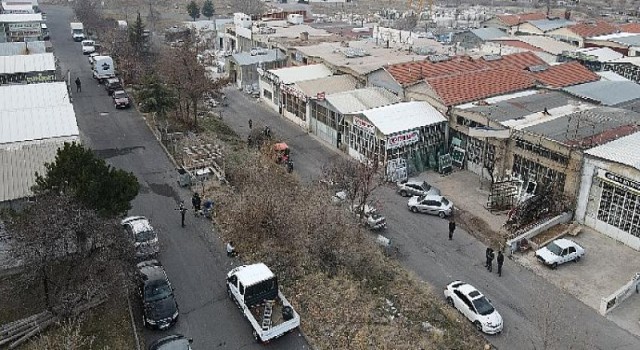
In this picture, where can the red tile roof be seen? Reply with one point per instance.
(564, 75)
(477, 85)
(517, 43)
(630, 27)
(512, 20)
(413, 72)
(587, 30)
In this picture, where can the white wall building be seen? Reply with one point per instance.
(609, 194)
(20, 27)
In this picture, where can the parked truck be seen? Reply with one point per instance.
(103, 68)
(77, 31)
(254, 288)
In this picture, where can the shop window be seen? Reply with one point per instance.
(267, 94)
(620, 208)
(529, 170)
(295, 106)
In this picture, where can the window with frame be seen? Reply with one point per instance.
(619, 208)
(529, 170)
(267, 94)
(296, 106)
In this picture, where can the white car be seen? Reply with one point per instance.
(145, 239)
(416, 188)
(559, 252)
(88, 46)
(431, 204)
(474, 306)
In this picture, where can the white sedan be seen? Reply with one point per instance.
(559, 252)
(474, 306)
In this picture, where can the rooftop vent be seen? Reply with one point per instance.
(439, 58)
(537, 68)
(493, 57)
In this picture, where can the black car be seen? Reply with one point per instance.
(172, 342)
(160, 309)
(112, 84)
(120, 99)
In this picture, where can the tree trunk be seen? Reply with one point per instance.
(195, 113)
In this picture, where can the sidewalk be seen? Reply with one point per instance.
(463, 189)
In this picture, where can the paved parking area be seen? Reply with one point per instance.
(606, 266)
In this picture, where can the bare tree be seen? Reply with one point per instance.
(68, 337)
(358, 179)
(75, 254)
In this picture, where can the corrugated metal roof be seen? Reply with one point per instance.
(403, 116)
(522, 106)
(601, 54)
(488, 33)
(328, 85)
(623, 150)
(608, 93)
(13, 49)
(588, 127)
(20, 17)
(16, 7)
(40, 62)
(292, 75)
(628, 40)
(33, 96)
(245, 58)
(608, 75)
(37, 124)
(361, 99)
(546, 25)
(19, 163)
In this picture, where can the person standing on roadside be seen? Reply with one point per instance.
(452, 227)
(500, 260)
(490, 260)
(78, 85)
(486, 256)
(183, 211)
(250, 124)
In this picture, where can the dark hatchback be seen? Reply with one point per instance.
(172, 342)
(112, 84)
(160, 309)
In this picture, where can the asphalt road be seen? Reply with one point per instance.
(530, 306)
(196, 264)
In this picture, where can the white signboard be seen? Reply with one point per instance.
(403, 139)
(364, 125)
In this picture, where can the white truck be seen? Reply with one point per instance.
(103, 68)
(254, 288)
(77, 31)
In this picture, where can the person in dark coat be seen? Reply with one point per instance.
(250, 124)
(490, 260)
(196, 202)
(486, 254)
(500, 260)
(78, 85)
(452, 227)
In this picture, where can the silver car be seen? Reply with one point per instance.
(416, 188)
(431, 204)
(143, 235)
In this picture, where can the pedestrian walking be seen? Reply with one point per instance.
(250, 124)
(231, 250)
(500, 260)
(78, 85)
(491, 257)
(183, 211)
(452, 227)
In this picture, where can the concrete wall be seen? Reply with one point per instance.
(566, 35)
(272, 102)
(528, 28)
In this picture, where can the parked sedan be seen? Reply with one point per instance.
(559, 252)
(172, 342)
(121, 99)
(112, 84)
(144, 237)
(160, 309)
(430, 204)
(416, 188)
(474, 306)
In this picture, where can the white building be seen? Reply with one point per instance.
(278, 90)
(20, 27)
(609, 195)
(36, 68)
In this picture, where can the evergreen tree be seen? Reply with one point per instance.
(193, 10)
(136, 35)
(207, 9)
